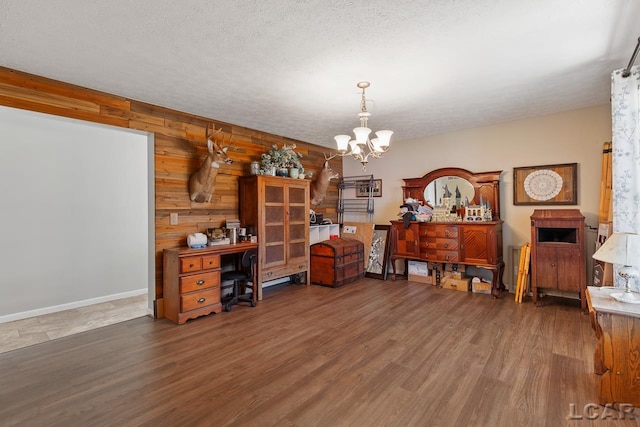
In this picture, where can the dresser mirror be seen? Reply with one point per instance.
(457, 186)
(475, 187)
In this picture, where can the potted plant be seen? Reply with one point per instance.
(284, 160)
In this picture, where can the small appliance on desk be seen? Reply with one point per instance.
(215, 236)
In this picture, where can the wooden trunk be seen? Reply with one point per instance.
(337, 262)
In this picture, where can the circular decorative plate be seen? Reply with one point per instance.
(543, 184)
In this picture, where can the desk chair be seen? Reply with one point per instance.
(242, 280)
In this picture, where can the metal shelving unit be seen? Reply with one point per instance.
(359, 205)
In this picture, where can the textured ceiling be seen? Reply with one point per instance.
(291, 67)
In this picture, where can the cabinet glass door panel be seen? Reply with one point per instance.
(273, 194)
(274, 254)
(297, 232)
(274, 234)
(297, 195)
(298, 250)
(298, 214)
(274, 214)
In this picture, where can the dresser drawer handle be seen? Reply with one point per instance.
(201, 300)
(270, 273)
(190, 265)
(446, 233)
(200, 282)
(446, 257)
(446, 245)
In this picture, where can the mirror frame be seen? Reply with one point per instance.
(485, 184)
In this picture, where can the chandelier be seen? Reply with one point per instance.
(361, 148)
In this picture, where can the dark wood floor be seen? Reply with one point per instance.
(372, 353)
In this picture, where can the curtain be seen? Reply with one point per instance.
(625, 124)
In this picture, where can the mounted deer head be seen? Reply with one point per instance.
(320, 185)
(202, 182)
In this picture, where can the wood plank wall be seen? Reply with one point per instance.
(180, 147)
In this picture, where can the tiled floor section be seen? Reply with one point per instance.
(34, 330)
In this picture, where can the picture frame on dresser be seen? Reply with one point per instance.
(546, 185)
(379, 255)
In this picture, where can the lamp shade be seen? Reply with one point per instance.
(620, 248)
(384, 137)
(342, 141)
(362, 134)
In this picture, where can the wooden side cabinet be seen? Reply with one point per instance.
(278, 209)
(191, 283)
(558, 257)
(617, 328)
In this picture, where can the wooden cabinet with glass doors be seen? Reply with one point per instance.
(278, 210)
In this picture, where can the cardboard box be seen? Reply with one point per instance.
(480, 287)
(420, 279)
(449, 282)
(455, 274)
(455, 267)
(417, 268)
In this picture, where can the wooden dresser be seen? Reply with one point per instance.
(617, 328)
(278, 209)
(191, 280)
(477, 243)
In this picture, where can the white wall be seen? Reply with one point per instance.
(75, 217)
(569, 137)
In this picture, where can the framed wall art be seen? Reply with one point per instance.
(380, 242)
(362, 188)
(546, 185)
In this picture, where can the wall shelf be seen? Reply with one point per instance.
(322, 232)
(359, 205)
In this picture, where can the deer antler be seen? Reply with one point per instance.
(326, 159)
(214, 133)
(221, 138)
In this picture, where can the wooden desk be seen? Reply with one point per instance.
(617, 355)
(191, 280)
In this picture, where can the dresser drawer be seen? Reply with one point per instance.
(190, 264)
(199, 281)
(447, 244)
(450, 231)
(200, 299)
(447, 256)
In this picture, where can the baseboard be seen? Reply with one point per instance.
(71, 305)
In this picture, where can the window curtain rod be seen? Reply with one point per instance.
(627, 71)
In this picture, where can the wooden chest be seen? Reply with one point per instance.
(336, 262)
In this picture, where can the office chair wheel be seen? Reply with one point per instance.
(253, 303)
(227, 306)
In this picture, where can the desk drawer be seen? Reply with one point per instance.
(199, 299)
(190, 264)
(210, 262)
(199, 281)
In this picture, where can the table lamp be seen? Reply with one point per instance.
(622, 248)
